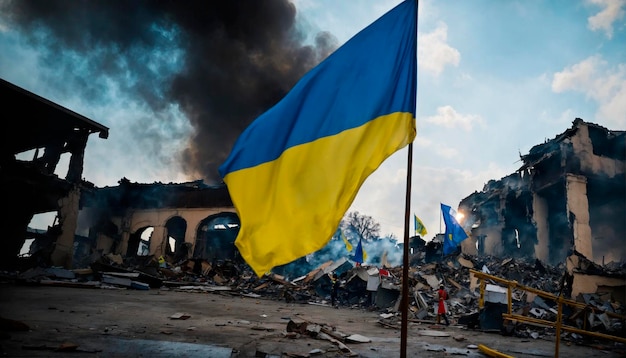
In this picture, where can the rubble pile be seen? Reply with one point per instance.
(370, 288)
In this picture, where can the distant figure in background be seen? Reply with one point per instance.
(441, 307)
(334, 289)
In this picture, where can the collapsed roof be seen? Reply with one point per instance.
(32, 187)
(39, 122)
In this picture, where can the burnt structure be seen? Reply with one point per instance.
(186, 221)
(569, 196)
(31, 187)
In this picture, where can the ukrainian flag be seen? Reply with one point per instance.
(455, 233)
(345, 241)
(359, 254)
(419, 226)
(295, 171)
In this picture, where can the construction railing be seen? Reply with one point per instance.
(560, 301)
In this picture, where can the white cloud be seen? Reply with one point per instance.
(422, 141)
(446, 116)
(613, 109)
(576, 77)
(448, 152)
(612, 10)
(606, 86)
(563, 119)
(433, 53)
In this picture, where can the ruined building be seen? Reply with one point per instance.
(45, 132)
(177, 221)
(568, 197)
(186, 220)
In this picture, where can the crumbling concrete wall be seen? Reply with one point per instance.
(68, 216)
(578, 209)
(593, 160)
(585, 283)
(134, 220)
(601, 156)
(588, 277)
(540, 208)
(492, 243)
(569, 196)
(182, 212)
(469, 246)
(157, 218)
(106, 244)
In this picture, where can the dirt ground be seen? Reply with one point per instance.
(96, 322)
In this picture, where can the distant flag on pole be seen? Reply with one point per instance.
(420, 229)
(295, 171)
(359, 254)
(345, 241)
(455, 233)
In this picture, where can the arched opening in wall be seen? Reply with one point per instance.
(139, 242)
(215, 239)
(176, 228)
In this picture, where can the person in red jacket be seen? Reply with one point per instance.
(442, 295)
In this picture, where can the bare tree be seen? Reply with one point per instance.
(363, 225)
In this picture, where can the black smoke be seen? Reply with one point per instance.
(221, 62)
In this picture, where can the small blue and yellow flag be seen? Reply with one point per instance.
(297, 168)
(345, 241)
(359, 254)
(455, 233)
(420, 229)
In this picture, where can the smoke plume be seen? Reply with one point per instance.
(220, 63)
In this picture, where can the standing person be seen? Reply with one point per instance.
(334, 289)
(442, 295)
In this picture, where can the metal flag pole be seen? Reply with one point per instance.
(404, 302)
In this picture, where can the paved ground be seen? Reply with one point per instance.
(84, 322)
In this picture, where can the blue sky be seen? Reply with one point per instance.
(495, 78)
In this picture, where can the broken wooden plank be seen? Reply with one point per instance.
(454, 283)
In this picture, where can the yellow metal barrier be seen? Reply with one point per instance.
(558, 325)
(492, 352)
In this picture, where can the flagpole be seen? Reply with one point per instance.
(404, 302)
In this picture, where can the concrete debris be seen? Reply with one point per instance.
(357, 338)
(180, 315)
(604, 310)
